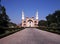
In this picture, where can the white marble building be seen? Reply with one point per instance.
(29, 22)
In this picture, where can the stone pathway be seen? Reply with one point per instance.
(31, 36)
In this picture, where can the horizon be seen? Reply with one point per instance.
(14, 8)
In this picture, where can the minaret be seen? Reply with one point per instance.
(22, 15)
(37, 15)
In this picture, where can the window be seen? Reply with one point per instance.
(35, 21)
(24, 24)
(24, 21)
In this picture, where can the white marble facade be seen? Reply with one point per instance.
(29, 22)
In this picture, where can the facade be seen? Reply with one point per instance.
(29, 22)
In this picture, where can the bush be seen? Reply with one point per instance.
(50, 29)
(54, 25)
(9, 31)
(2, 30)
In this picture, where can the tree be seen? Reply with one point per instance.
(51, 19)
(4, 19)
(57, 15)
(54, 18)
(42, 23)
(12, 25)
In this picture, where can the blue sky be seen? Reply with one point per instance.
(15, 7)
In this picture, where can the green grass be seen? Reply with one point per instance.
(10, 31)
(50, 29)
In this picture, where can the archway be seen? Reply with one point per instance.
(30, 23)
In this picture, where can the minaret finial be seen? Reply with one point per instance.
(37, 14)
(22, 15)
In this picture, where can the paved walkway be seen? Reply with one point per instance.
(31, 36)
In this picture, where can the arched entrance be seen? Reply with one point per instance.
(30, 23)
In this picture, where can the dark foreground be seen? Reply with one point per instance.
(31, 36)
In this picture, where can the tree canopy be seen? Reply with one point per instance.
(54, 18)
(4, 19)
(51, 19)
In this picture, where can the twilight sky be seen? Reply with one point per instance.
(15, 7)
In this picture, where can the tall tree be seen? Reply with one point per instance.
(4, 19)
(57, 15)
(42, 23)
(53, 18)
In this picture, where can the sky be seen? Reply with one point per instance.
(14, 8)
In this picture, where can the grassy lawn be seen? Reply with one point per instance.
(50, 29)
(10, 31)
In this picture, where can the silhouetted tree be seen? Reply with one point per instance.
(57, 15)
(54, 18)
(42, 23)
(11, 24)
(4, 19)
